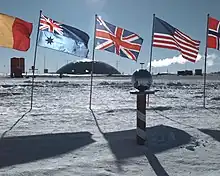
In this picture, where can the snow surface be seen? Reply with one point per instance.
(62, 137)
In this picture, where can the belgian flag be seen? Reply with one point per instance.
(15, 33)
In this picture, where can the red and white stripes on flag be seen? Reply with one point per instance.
(166, 36)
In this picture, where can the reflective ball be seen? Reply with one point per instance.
(142, 79)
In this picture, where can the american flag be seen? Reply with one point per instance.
(47, 24)
(117, 40)
(166, 36)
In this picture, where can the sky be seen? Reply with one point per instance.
(134, 15)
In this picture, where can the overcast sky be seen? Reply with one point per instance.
(134, 15)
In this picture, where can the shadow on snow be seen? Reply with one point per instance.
(24, 149)
(215, 134)
(159, 139)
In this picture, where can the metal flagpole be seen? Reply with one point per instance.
(151, 51)
(93, 58)
(35, 55)
(32, 86)
(204, 95)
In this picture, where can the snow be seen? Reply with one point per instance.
(61, 136)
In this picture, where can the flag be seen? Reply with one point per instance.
(117, 40)
(167, 36)
(14, 33)
(63, 38)
(213, 33)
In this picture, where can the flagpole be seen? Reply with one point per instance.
(151, 51)
(35, 55)
(204, 95)
(93, 58)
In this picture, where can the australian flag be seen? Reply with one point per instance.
(63, 38)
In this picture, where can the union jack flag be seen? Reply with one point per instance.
(117, 40)
(47, 24)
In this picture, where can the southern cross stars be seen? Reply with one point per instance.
(49, 40)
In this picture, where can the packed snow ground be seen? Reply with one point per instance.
(62, 137)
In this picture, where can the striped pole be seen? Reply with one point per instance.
(141, 115)
(141, 118)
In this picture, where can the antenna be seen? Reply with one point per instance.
(57, 65)
(142, 64)
(44, 62)
(117, 64)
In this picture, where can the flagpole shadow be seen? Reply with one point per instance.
(24, 149)
(155, 163)
(159, 139)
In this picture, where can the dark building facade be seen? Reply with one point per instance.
(17, 67)
(45, 70)
(198, 72)
(85, 67)
(185, 73)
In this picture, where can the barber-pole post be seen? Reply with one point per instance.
(141, 118)
(142, 81)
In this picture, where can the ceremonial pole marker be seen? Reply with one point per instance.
(142, 81)
(141, 115)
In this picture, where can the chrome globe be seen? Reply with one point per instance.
(142, 80)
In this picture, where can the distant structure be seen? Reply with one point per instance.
(185, 73)
(45, 70)
(85, 67)
(17, 67)
(190, 72)
(198, 72)
(180, 73)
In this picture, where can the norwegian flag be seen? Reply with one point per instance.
(47, 24)
(213, 33)
(117, 40)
